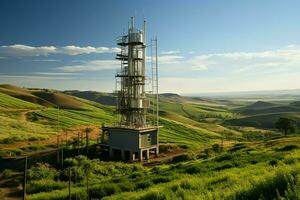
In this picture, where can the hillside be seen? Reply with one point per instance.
(44, 97)
(185, 123)
(259, 105)
(200, 155)
(22, 93)
(264, 169)
(99, 97)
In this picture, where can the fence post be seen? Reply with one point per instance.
(25, 179)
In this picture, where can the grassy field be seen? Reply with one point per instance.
(227, 152)
(262, 170)
(31, 119)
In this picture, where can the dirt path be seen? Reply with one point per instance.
(163, 157)
(23, 115)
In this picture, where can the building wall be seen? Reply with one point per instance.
(132, 139)
(124, 138)
(148, 139)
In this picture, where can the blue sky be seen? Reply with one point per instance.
(204, 45)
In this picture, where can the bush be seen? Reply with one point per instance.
(270, 188)
(126, 186)
(101, 191)
(273, 162)
(161, 179)
(143, 184)
(216, 148)
(45, 185)
(225, 166)
(193, 169)
(182, 158)
(42, 171)
(7, 141)
(223, 157)
(7, 173)
(288, 147)
(154, 195)
(237, 147)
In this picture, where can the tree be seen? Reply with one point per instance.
(286, 125)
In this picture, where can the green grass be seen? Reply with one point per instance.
(13, 130)
(244, 171)
(9, 102)
(262, 121)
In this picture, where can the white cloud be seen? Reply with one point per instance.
(283, 57)
(90, 66)
(75, 50)
(170, 52)
(54, 74)
(169, 59)
(19, 50)
(44, 60)
(280, 60)
(32, 77)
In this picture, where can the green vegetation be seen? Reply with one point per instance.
(286, 125)
(225, 151)
(242, 171)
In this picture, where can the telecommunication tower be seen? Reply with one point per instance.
(135, 136)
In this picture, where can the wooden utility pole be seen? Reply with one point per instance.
(25, 178)
(62, 157)
(87, 185)
(57, 140)
(69, 183)
(78, 143)
(87, 141)
(66, 139)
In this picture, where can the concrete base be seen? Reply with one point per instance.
(131, 143)
(124, 154)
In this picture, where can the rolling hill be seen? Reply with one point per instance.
(99, 97)
(35, 118)
(44, 97)
(264, 114)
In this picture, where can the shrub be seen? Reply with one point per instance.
(216, 148)
(7, 173)
(136, 175)
(7, 141)
(154, 195)
(182, 158)
(223, 157)
(45, 185)
(100, 191)
(161, 179)
(143, 184)
(270, 188)
(225, 166)
(273, 162)
(288, 147)
(126, 186)
(237, 147)
(193, 169)
(42, 171)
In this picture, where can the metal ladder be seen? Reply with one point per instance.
(154, 72)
